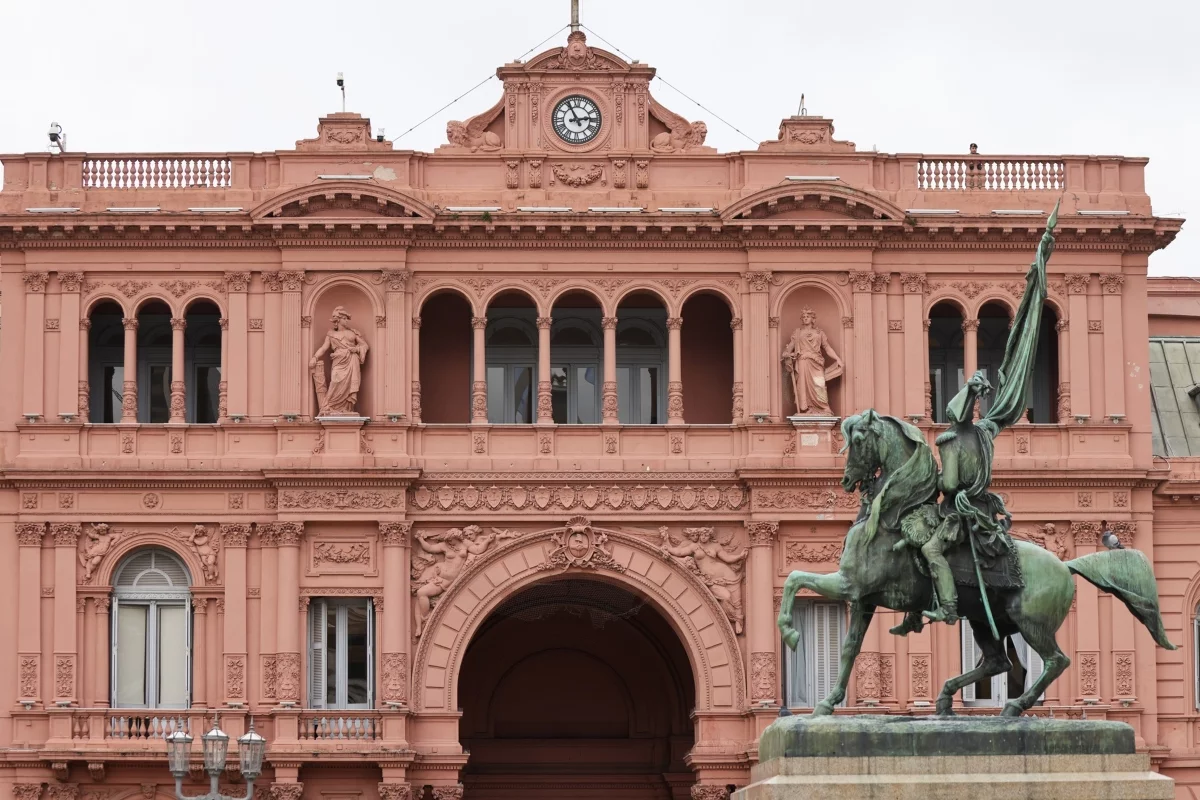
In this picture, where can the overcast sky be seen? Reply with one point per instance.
(1016, 76)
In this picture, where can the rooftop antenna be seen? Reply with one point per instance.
(802, 111)
(341, 82)
(574, 15)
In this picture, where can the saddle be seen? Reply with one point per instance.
(1001, 572)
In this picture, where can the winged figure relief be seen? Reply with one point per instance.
(680, 134)
(473, 133)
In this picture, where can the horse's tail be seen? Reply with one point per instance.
(1128, 575)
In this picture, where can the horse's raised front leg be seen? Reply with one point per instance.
(833, 586)
(860, 620)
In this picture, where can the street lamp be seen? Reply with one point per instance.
(251, 748)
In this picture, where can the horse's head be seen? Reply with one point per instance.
(861, 433)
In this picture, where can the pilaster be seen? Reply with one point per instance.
(35, 343)
(1081, 392)
(479, 410)
(738, 410)
(914, 353)
(860, 331)
(28, 611)
(237, 285)
(879, 341)
(69, 343)
(1114, 347)
(272, 330)
(760, 621)
(414, 413)
(234, 538)
(288, 536)
(674, 372)
(762, 358)
(395, 658)
(545, 401)
(66, 661)
(292, 372)
(394, 284)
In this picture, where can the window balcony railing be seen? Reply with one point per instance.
(354, 725)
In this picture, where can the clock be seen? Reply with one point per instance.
(576, 119)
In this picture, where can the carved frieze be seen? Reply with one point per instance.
(808, 553)
(340, 500)
(803, 499)
(571, 497)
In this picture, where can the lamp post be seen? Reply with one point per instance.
(251, 748)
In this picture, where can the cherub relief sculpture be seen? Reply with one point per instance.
(473, 134)
(715, 563)
(347, 351)
(99, 543)
(680, 134)
(431, 575)
(804, 360)
(201, 541)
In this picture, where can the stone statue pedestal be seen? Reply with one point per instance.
(932, 758)
(344, 442)
(814, 436)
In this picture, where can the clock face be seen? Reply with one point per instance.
(576, 119)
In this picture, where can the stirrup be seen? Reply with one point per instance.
(945, 613)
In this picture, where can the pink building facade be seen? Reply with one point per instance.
(538, 549)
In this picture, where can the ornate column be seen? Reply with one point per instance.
(479, 415)
(758, 382)
(393, 687)
(83, 659)
(287, 661)
(394, 283)
(129, 402)
(609, 404)
(1063, 327)
(84, 397)
(760, 617)
(68, 342)
(268, 614)
(859, 330)
(28, 611)
(674, 372)
(914, 355)
(1087, 617)
(879, 341)
(35, 342)
(234, 537)
(738, 412)
(66, 666)
(272, 330)
(178, 396)
(1081, 390)
(293, 369)
(415, 361)
(545, 404)
(101, 654)
(200, 652)
(1114, 347)
(223, 386)
(237, 355)
(970, 329)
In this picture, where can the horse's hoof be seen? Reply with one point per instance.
(944, 708)
(792, 638)
(1012, 709)
(823, 709)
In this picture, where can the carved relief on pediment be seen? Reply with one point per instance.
(343, 131)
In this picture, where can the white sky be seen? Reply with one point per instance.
(1016, 76)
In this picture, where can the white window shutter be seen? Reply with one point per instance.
(370, 653)
(114, 643)
(316, 649)
(827, 647)
(970, 657)
(1030, 660)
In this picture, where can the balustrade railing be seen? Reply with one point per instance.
(339, 726)
(158, 172)
(1007, 174)
(136, 726)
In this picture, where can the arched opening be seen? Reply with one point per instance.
(945, 357)
(1043, 403)
(202, 361)
(151, 631)
(994, 321)
(154, 362)
(575, 358)
(511, 353)
(706, 342)
(642, 356)
(106, 362)
(571, 685)
(445, 359)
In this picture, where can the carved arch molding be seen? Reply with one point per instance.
(612, 556)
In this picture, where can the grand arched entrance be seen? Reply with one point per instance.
(576, 688)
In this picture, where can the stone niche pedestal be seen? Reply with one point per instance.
(956, 758)
(343, 443)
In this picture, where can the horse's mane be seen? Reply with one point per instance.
(912, 484)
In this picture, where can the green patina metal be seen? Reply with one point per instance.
(895, 554)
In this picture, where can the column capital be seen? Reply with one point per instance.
(735, 324)
(287, 534)
(292, 280)
(763, 533)
(914, 282)
(608, 323)
(880, 281)
(479, 323)
(66, 534)
(544, 323)
(970, 325)
(178, 323)
(235, 534)
(70, 281)
(1062, 325)
(394, 534)
(395, 791)
(1077, 282)
(759, 280)
(224, 323)
(237, 281)
(129, 323)
(1112, 284)
(395, 280)
(29, 534)
(860, 281)
(35, 282)
(416, 323)
(200, 605)
(674, 323)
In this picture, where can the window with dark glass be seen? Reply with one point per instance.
(341, 647)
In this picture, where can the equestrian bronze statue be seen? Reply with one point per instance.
(936, 544)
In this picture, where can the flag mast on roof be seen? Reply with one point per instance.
(574, 15)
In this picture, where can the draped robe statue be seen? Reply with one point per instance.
(804, 360)
(347, 351)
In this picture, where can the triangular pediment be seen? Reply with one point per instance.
(343, 201)
(577, 56)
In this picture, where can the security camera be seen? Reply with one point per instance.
(340, 81)
(379, 136)
(58, 140)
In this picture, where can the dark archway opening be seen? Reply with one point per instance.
(573, 689)
(445, 359)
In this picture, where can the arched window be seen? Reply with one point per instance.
(642, 367)
(511, 365)
(151, 632)
(575, 347)
(106, 363)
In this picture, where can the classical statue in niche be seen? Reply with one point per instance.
(431, 575)
(99, 543)
(347, 351)
(473, 134)
(715, 563)
(804, 360)
(680, 134)
(201, 541)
